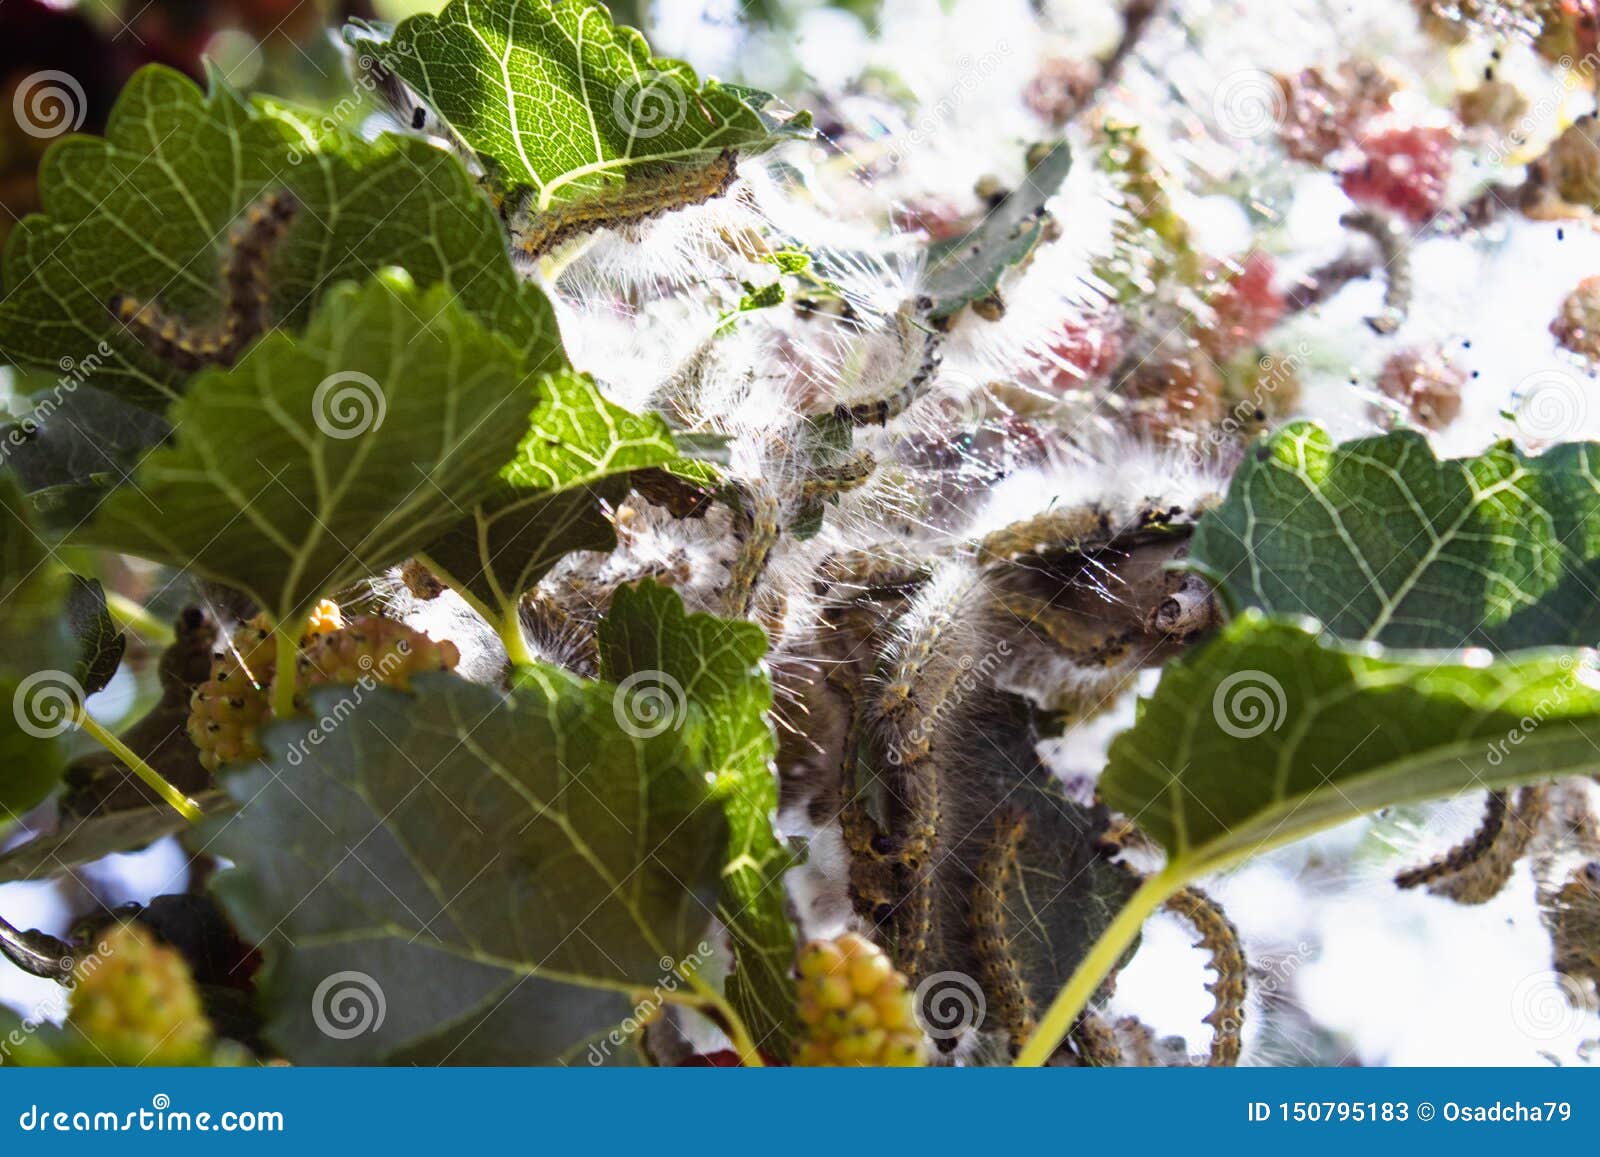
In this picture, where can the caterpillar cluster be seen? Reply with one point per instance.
(246, 295)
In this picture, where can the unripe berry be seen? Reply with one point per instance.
(1577, 326)
(854, 1008)
(227, 710)
(1425, 384)
(135, 1001)
(373, 648)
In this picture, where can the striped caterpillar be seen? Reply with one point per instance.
(759, 530)
(246, 295)
(921, 357)
(1474, 871)
(829, 482)
(1390, 238)
(1218, 937)
(999, 870)
(639, 198)
(1573, 916)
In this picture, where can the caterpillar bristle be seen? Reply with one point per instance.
(246, 295)
(831, 481)
(639, 198)
(999, 871)
(1220, 938)
(758, 529)
(1474, 871)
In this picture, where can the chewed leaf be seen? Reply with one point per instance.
(324, 458)
(1381, 540)
(561, 102)
(969, 268)
(667, 662)
(1273, 731)
(496, 878)
(547, 502)
(145, 214)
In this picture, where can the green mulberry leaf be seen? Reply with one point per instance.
(666, 663)
(1273, 731)
(146, 211)
(323, 458)
(562, 103)
(498, 878)
(1381, 540)
(38, 693)
(99, 641)
(549, 497)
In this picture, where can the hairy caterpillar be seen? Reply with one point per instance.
(1474, 871)
(246, 295)
(1218, 937)
(886, 569)
(830, 481)
(1096, 1042)
(920, 358)
(998, 869)
(1064, 529)
(637, 199)
(1573, 915)
(1390, 239)
(758, 530)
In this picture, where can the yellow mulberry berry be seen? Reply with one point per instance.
(854, 1008)
(227, 709)
(377, 649)
(135, 1002)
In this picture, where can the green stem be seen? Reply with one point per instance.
(1108, 949)
(185, 806)
(707, 997)
(511, 635)
(130, 614)
(287, 646)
